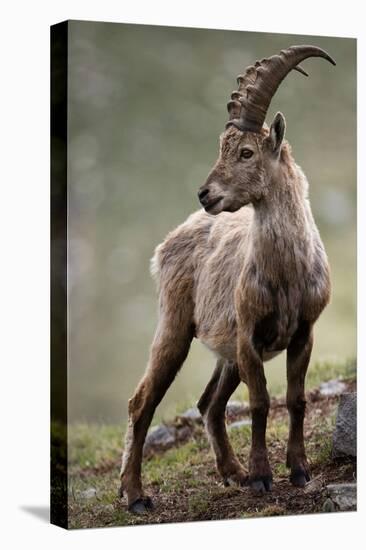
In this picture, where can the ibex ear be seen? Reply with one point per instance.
(277, 133)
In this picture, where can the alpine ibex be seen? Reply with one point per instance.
(248, 276)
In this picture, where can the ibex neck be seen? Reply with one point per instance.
(281, 213)
(282, 236)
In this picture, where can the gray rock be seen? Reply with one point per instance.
(91, 492)
(315, 485)
(332, 387)
(192, 414)
(343, 496)
(161, 436)
(240, 424)
(329, 506)
(236, 408)
(345, 432)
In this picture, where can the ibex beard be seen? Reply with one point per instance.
(248, 276)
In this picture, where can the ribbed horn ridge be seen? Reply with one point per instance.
(256, 87)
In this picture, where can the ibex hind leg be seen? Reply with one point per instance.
(168, 352)
(212, 406)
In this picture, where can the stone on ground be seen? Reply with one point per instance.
(332, 387)
(236, 408)
(342, 496)
(191, 414)
(91, 492)
(345, 433)
(160, 437)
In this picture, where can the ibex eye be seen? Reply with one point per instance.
(246, 153)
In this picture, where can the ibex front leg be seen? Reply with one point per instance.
(298, 357)
(251, 371)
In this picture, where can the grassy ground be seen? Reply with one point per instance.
(183, 481)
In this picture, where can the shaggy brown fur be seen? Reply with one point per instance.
(248, 277)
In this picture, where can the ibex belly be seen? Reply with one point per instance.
(228, 349)
(271, 334)
(270, 337)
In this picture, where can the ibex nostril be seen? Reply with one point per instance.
(202, 194)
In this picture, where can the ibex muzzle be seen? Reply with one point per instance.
(210, 195)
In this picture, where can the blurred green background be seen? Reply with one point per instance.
(146, 107)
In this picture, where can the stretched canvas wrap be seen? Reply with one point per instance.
(218, 380)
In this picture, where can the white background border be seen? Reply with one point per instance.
(24, 131)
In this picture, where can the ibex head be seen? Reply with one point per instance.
(250, 152)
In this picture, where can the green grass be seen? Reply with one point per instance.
(92, 445)
(328, 370)
(319, 448)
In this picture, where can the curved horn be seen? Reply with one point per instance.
(249, 104)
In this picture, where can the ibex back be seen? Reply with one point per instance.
(248, 276)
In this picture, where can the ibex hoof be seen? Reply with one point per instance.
(262, 485)
(299, 478)
(235, 481)
(238, 478)
(141, 506)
